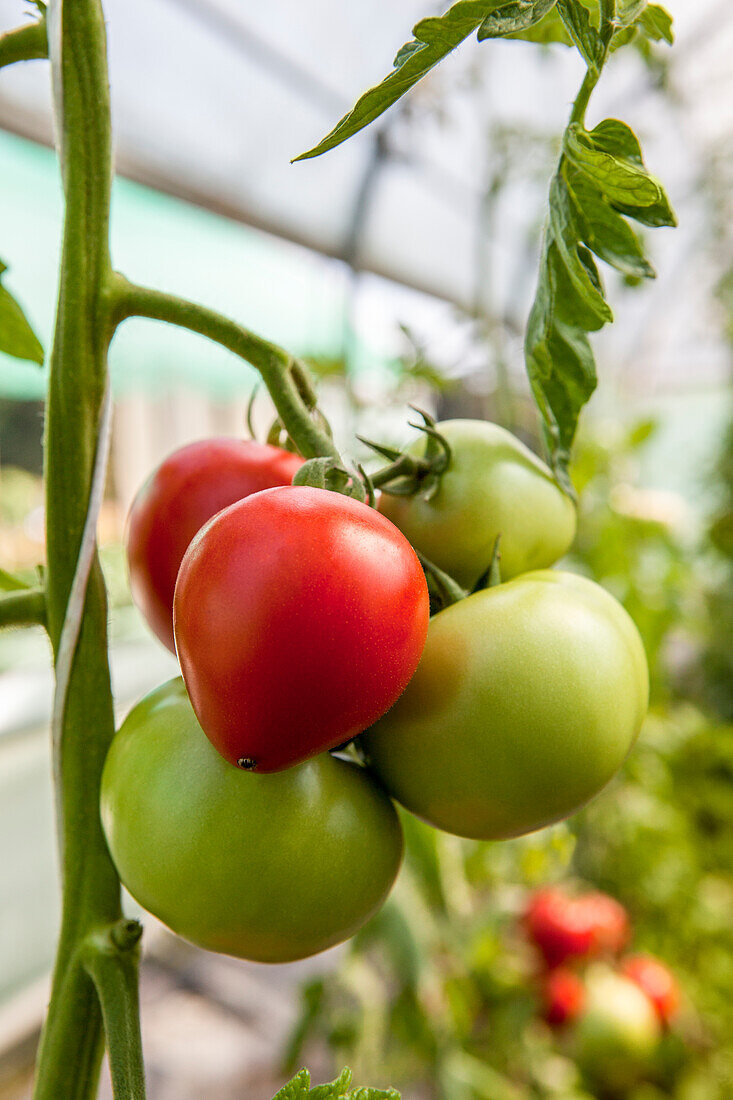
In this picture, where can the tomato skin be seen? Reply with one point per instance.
(564, 927)
(493, 485)
(180, 496)
(616, 1036)
(657, 981)
(563, 996)
(526, 701)
(265, 867)
(300, 616)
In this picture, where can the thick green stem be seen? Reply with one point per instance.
(24, 44)
(286, 378)
(72, 1041)
(23, 608)
(111, 960)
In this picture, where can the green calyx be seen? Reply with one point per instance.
(409, 475)
(328, 473)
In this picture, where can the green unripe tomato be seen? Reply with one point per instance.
(266, 867)
(493, 485)
(527, 698)
(617, 1035)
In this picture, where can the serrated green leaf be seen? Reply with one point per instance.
(604, 231)
(434, 39)
(628, 11)
(548, 30)
(333, 1090)
(656, 22)
(296, 1089)
(656, 215)
(17, 338)
(617, 177)
(618, 139)
(513, 18)
(561, 370)
(374, 1094)
(577, 22)
(622, 37)
(584, 299)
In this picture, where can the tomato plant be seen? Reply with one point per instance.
(186, 490)
(249, 865)
(525, 703)
(300, 615)
(493, 485)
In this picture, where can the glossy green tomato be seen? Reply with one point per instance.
(617, 1034)
(266, 867)
(493, 485)
(526, 700)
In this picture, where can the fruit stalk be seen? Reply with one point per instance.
(76, 412)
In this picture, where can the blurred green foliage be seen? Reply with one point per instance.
(440, 990)
(717, 657)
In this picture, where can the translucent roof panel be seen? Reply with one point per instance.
(212, 98)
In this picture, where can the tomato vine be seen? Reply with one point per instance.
(600, 181)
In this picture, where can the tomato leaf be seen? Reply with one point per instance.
(629, 11)
(17, 338)
(576, 20)
(656, 23)
(604, 231)
(299, 1089)
(601, 177)
(435, 38)
(514, 18)
(619, 178)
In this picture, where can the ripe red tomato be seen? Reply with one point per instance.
(609, 921)
(300, 616)
(565, 927)
(186, 490)
(657, 981)
(563, 996)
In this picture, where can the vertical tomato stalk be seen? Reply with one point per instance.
(95, 974)
(96, 962)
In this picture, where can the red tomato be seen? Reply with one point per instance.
(657, 981)
(565, 927)
(563, 995)
(300, 616)
(609, 921)
(187, 489)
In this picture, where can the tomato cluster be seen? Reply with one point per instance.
(300, 619)
(610, 1009)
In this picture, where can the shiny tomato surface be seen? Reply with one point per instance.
(494, 485)
(266, 867)
(300, 617)
(526, 701)
(186, 490)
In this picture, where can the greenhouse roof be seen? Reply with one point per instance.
(212, 98)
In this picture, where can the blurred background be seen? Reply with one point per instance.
(402, 266)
